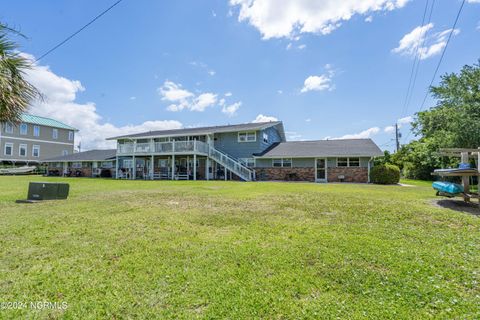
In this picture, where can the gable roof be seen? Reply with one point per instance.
(91, 155)
(207, 130)
(30, 118)
(323, 148)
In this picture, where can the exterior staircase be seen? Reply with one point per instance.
(231, 164)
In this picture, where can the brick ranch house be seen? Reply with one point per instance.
(249, 152)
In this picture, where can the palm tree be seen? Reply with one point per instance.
(16, 93)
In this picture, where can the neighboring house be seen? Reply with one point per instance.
(253, 151)
(220, 152)
(93, 163)
(347, 160)
(34, 139)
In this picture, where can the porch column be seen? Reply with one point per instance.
(173, 166)
(152, 167)
(225, 172)
(194, 166)
(134, 170)
(207, 165)
(116, 167)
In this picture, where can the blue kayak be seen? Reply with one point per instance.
(447, 188)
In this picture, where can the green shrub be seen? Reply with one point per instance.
(385, 174)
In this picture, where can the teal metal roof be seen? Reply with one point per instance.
(29, 118)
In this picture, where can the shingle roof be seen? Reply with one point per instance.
(91, 155)
(30, 118)
(323, 148)
(204, 130)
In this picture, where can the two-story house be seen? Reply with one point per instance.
(34, 139)
(220, 152)
(251, 151)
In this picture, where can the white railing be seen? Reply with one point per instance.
(163, 147)
(232, 164)
(198, 147)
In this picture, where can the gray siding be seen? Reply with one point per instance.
(49, 147)
(228, 143)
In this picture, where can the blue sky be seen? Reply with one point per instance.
(325, 69)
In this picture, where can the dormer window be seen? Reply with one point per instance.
(265, 137)
(247, 136)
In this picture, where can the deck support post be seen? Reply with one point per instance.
(225, 171)
(194, 166)
(465, 180)
(134, 169)
(152, 167)
(207, 169)
(116, 167)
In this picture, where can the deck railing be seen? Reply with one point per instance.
(180, 147)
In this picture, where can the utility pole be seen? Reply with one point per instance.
(397, 136)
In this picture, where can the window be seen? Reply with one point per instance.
(342, 162)
(24, 129)
(249, 162)
(8, 128)
(36, 131)
(107, 164)
(277, 162)
(8, 149)
(76, 165)
(265, 137)
(70, 135)
(348, 162)
(55, 133)
(247, 136)
(65, 153)
(128, 163)
(36, 151)
(286, 163)
(22, 150)
(354, 162)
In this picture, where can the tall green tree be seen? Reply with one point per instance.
(16, 93)
(454, 122)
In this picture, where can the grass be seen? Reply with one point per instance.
(149, 249)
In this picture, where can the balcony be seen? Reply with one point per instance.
(177, 147)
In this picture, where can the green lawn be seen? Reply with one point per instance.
(149, 249)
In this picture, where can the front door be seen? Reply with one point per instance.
(321, 170)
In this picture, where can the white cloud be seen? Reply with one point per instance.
(263, 118)
(183, 99)
(473, 1)
(294, 17)
(289, 46)
(279, 91)
(405, 120)
(317, 83)
(427, 46)
(231, 110)
(133, 98)
(361, 135)
(228, 94)
(369, 19)
(204, 101)
(389, 129)
(308, 120)
(203, 66)
(60, 103)
(302, 46)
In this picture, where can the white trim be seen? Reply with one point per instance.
(281, 163)
(20, 129)
(9, 126)
(26, 149)
(246, 133)
(9, 144)
(326, 170)
(21, 160)
(33, 152)
(37, 140)
(348, 163)
(310, 157)
(34, 129)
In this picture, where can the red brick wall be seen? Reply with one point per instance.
(285, 174)
(351, 174)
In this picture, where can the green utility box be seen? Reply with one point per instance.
(48, 191)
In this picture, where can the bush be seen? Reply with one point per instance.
(385, 174)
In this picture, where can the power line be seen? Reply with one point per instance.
(409, 98)
(78, 31)
(415, 60)
(441, 59)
